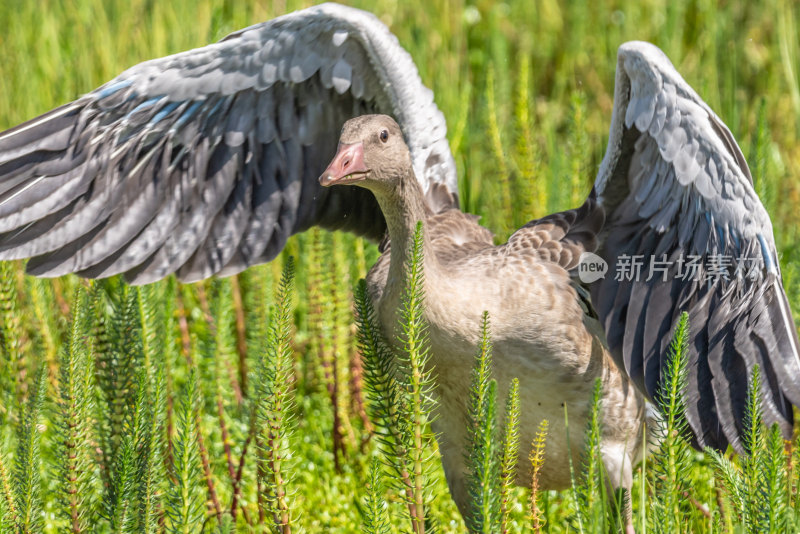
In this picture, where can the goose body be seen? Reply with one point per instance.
(557, 356)
(540, 332)
(205, 162)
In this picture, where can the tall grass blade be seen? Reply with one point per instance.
(509, 454)
(275, 407)
(8, 506)
(27, 475)
(416, 376)
(185, 498)
(151, 457)
(592, 491)
(387, 402)
(757, 486)
(505, 215)
(482, 453)
(11, 359)
(376, 520)
(75, 451)
(536, 459)
(672, 461)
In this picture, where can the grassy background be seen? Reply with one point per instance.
(527, 90)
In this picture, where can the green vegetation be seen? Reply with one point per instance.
(218, 407)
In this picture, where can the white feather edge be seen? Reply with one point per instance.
(652, 70)
(412, 102)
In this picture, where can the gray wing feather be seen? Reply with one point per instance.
(674, 184)
(205, 162)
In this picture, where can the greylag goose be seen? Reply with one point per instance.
(205, 162)
(541, 332)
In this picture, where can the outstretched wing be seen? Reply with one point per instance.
(205, 162)
(677, 192)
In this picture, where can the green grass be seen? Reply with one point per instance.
(526, 88)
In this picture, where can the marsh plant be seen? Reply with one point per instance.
(140, 422)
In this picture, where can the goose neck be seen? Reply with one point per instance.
(403, 209)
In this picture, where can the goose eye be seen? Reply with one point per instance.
(384, 135)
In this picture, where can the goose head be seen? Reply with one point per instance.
(372, 154)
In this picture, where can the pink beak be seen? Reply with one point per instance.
(347, 166)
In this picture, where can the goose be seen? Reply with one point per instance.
(204, 163)
(540, 331)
